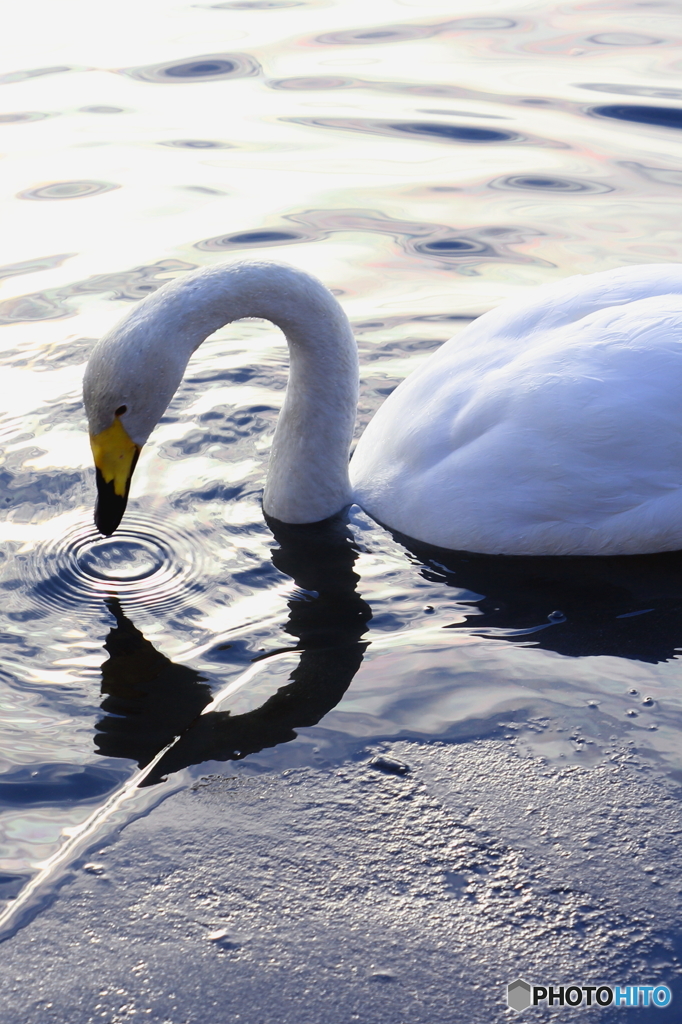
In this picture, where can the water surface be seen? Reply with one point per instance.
(426, 164)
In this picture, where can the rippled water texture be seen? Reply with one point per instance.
(426, 160)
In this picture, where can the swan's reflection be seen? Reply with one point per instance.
(626, 607)
(149, 699)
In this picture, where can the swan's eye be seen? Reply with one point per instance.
(121, 409)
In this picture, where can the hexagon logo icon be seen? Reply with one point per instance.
(518, 995)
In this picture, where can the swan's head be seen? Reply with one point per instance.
(131, 376)
(116, 456)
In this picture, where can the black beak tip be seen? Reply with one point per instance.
(109, 507)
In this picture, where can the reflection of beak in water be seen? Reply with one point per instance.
(150, 700)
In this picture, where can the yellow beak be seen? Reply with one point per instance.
(115, 459)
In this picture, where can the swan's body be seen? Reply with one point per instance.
(550, 426)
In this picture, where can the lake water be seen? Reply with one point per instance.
(426, 160)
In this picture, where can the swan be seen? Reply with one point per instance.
(552, 425)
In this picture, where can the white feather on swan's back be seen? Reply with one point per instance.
(549, 426)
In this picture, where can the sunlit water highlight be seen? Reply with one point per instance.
(425, 165)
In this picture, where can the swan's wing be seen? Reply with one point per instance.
(570, 442)
(521, 323)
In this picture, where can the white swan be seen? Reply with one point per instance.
(550, 426)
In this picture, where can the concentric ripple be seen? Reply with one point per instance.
(120, 560)
(24, 115)
(207, 68)
(196, 144)
(544, 183)
(67, 190)
(142, 564)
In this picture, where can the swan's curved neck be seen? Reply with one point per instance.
(308, 474)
